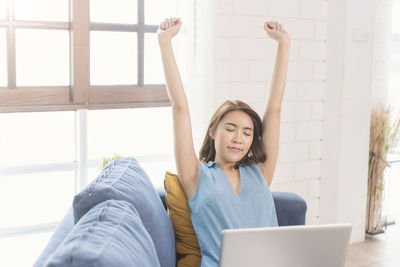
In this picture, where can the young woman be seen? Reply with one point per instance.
(228, 187)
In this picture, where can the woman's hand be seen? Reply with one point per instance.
(276, 31)
(169, 28)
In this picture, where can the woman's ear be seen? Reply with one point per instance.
(212, 135)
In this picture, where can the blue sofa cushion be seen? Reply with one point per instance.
(124, 179)
(110, 234)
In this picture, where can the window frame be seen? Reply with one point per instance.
(80, 94)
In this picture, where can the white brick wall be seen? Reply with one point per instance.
(314, 9)
(260, 70)
(232, 71)
(299, 29)
(224, 6)
(284, 173)
(223, 49)
(300, 70)
(320, 30)
(296, 111)
(313, 50)
(307, 169)
(315, 150)
(284, 8)
(311, 90)
(251, 48)
(245, 8)
(245, 58)
(231, 26)
(291, 152)
(317, 110)
(309, 130)
(319, 70)
(249, 92)
(288, 132)
(313, 188)
(291, 91)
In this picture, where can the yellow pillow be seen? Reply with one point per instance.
(187, 245)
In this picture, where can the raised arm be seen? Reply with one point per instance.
(272, 115)
(186, 160)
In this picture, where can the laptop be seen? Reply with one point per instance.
(287, 246)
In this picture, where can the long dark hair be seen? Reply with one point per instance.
(256, 152)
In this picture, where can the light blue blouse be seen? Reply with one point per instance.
(215, 206)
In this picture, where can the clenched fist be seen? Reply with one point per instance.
(276, 31)
(169, 28)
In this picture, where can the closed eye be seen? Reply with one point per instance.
(230, 130)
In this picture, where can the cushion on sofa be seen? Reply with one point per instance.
(110, 234)
(124, 179)
(187, 246)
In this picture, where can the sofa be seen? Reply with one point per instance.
(120, 219)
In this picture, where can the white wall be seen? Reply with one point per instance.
(355, 79)
(346, 135)
(325, 114)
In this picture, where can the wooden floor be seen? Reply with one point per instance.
(382, 250)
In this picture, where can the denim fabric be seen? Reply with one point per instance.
(124, 179)
(110, 234)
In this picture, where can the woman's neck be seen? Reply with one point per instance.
(226, 166)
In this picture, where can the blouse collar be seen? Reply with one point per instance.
(212, 164)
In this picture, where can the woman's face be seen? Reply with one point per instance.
(233, 137)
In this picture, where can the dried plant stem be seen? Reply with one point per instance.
(383, 137)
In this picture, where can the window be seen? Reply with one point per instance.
(117, 11)
(38, 10)
(37, 138)
(37, 180)
(118, 67)
(394, 64)
(45, 61)
(94, 57)
(3, 56)
(39, 159)
(31, 245)
(391, 206)
(2, 9)
(35, 199)
(145, 134)
(96, 78)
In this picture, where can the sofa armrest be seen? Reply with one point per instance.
(290, 208)
(61, 231)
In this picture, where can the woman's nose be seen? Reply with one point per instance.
(237, 138)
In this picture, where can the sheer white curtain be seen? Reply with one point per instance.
(200, 75)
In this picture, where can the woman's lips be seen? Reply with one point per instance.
(235, 149)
